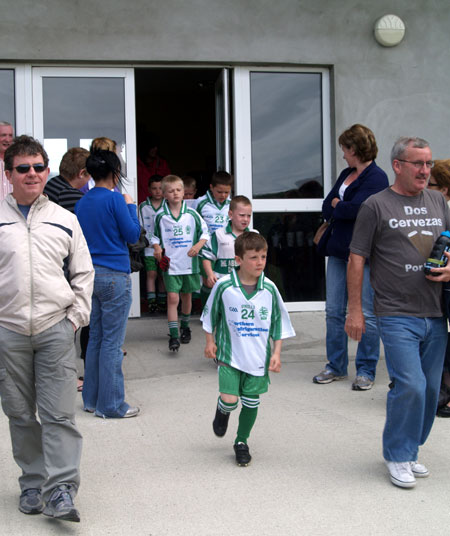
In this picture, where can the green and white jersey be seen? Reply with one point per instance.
(214, 213)
(245, 324)
(147, 216)
(177, 236)
(220, 250)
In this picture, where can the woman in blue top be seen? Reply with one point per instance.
(109, 220)
(355, 184)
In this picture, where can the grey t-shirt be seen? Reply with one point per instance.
(396, 233)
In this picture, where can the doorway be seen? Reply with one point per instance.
(177, 107)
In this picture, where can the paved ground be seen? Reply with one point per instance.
(317, 467)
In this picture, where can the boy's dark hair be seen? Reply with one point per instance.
(73, 162)
(189, 182)
(249, 240)
(223, 178)
(24, 146)
(101, 164)
(155, 178)
(240, 199)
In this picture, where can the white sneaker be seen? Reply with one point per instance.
(401, 474)
(419, 470)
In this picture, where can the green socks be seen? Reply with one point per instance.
(247, 418)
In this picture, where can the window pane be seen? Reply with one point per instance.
(286, 122)
(292, 261)
(7, 102)
(78, 109)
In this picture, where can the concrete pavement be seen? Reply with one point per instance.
(317, 467)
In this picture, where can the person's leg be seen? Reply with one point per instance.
(18, 396)
(247, 417)
(91, 368)
(336, 304)
(161, 295)
(402, 338)
(56, 375)
(173, 299)
(186, 308)
(114, 293)
(368, 351)
(151, 290)
(229, 379)
(432, 351)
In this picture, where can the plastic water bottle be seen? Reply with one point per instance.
(437, 259)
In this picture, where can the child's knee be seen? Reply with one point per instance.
(228, 399)
(251, 402)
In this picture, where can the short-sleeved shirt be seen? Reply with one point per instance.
(177, 236)
(396, 233)
(62, 193)
(147, 216)
(245, 324)
(214, 213)
(220, 250)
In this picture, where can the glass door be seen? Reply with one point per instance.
(71, 106)
(282, 163)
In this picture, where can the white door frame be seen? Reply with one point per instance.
(243, 153)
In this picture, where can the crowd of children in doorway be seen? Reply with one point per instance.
(185, 228)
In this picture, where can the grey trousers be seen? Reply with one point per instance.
(40, 371)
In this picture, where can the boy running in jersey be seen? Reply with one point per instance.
(245, 310)
(213, 207)
(218, 254)
(148, 210)
(182, 233)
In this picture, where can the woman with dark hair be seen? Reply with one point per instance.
(109, 220)
(361, 179)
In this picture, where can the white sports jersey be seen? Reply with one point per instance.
(147, 216)
(214, 214)
(244, 324)
(220, 250)
(177, 236)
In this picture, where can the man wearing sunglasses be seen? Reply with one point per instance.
(395, 230)
(47, 279)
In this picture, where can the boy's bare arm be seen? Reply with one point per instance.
(195, 249)
(275, 360)
(210, 348)
(211, 277)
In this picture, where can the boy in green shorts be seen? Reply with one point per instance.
(148, 210)
(181, 232)
(245, 310)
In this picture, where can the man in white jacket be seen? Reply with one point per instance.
(47, 278)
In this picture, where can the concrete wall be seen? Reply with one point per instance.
(403, 90)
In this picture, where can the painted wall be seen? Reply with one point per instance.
(395, 91)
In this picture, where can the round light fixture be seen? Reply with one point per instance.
(389, 30)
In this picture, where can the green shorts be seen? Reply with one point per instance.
(235, 382)
(150, 264)
(181, 283)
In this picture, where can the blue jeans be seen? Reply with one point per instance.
(368, 350)
(103, 388)
(414, 349)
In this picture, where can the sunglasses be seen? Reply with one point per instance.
(25, 168)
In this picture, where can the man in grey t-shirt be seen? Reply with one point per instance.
(395, 230)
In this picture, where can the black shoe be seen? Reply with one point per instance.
(443, 412)
(30, 501)
(60, 505)
(185, 335)
(174, 344)
(220, 423)
(152, 307)
(243, 457)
